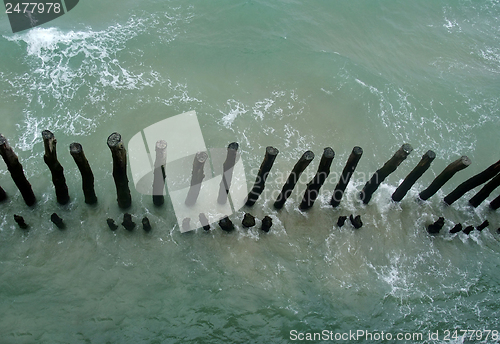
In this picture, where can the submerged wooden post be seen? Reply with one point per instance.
(16, 171)
(248, 220)
(495, 204)
(378, 177)
(411, 178)
(267, 223)
(57, 221)
(196, 178)
(457, 228)
(20, 221)
(226, 224)
(227, 172)
(468, 229)
(312, 190)
(485, 191)
(472, 182)
(483, 225)
(57, 171)
(347, 173)
(76, 151)
(260, 181)
(293, 178)
(119, 154)
(436, 226)
(159, 174)
(444, 176)
(3, 195)
(127, 222)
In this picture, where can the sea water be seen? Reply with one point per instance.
(296, 75)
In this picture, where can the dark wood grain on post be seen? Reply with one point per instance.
(379, 176)
(57, 171)
(413, 176)
(16, 171)
(76, 151)
(196, 178)
(485, 191)
(159, 173)
(444, 176)
(347, 173)
(495, 204)
(3, 195)
(119, 155)
(313, 187)
(472, 182)
(260, 181)
(293, 178)
(227, 172)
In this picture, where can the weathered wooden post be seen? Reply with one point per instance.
(313, 187)
(146, 225)
(341, 221)
(57, 171)
(227, 172)
(436, 226)
(472, 182)
(226, 224)
(3, 195)
(119, 154)
(127, 222)
(267, 223)
(76, 151)
(457, 228)
(57, 221)
(356, 221)
(260, 181)
(248, 220)
(293, 178)
(483, 225)
(159, 173)
(468, 229)
(495, 204)
(111, 224)
(16, 171)
(379, 176)
(444, 176)
(485, 191)
(20, 221)
(196, 178)
(411, 178)
(347, 173)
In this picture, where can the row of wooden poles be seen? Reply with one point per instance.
(490, 176)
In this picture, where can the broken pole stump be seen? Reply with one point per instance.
(76, 151)
(226, 224)
(444, 176)
(347, 173)
(457, 228)
(248, 220)
(3, 195)
(16, 171)
(341, 221)
(57, 171)
(436, 226)
(293, 178)
(119, 155)
(313, 187)
(472, 182)
(356, 221)
(468, 229)
(111, 224)
(146, 225)
(227, 172)
(495, 204)
(260, 181)
(57, 221)
(127, 222)
(483, 225)
(267, 223)
(20, 221)
(379, 176)
(159, 173)
(485, 191)
(196, 178)
(413, 176)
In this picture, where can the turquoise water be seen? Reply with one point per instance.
(295, 75)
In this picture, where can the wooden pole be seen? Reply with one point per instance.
(293, 178)
(485, 191)
(356, 221)
(57, 221)
(378, 177)
(111, 224)
(20, 221)
(196, 178)
(16, 171)
(341, 220)
(159, 173)
(127, 222)
(248, 220)
(226, 224)
(119, 155)
(260, 181)
(468, 229)
(267, 223)
(146, 225)
(411, 178)
(472, 182)
(313, 187)
(3, 195)
(495, 204)
(227, 174)
(483, 225)
(347, 173)
(457, 228)
(444, 176)
(436, 226)
(76, 151)
(57, 171)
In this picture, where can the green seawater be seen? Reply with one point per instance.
(296, 75)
